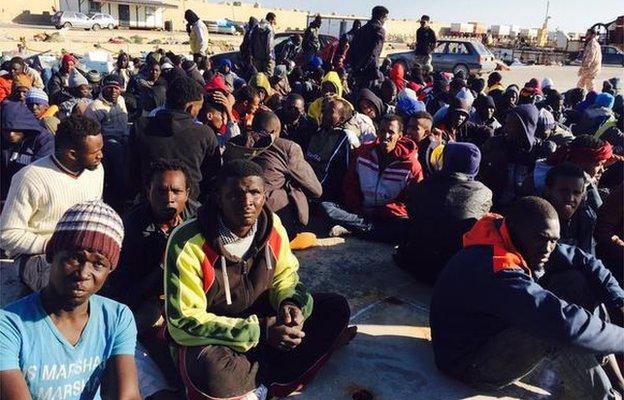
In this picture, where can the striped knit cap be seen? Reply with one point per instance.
(90, 225)
(36, 96)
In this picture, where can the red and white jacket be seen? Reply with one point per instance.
(373, 191)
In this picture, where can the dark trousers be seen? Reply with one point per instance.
(219, 371)
(513, 353)
(391, 230)
(114, 170)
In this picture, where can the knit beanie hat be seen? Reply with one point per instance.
(547, 83)
(76, 79)
(461, 158)
(112, 80)
(90, 225)
(37, 96)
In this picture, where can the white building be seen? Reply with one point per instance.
(130, 13)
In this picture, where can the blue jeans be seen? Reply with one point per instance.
(389, 230)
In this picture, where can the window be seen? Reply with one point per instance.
(440, 48)
(95, 7)
(609, 50)
(150, 11)
(81, 16)
(457, 48)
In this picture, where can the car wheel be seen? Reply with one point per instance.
(111, 27)
(58, 26)
(67, 25)
(461, 67)
(96, 27)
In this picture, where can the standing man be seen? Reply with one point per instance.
(425, 43)
(262, 44)
(198, 33)
(311, 44)
(592, 62)
(366, 48)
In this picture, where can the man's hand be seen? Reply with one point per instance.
(282, 337)
(290, 315)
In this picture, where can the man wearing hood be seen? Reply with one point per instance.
(509, 101)
(24, 140)
(369, 104)
(262, 45)
(331, 86)
(495, 88)
(457, 128)
(376, 184)
(485, 108)
(366, 48)
(513, 297)
(173, 133)
(198, 33)
(225, 70)
(508, 159)
(242, 322)
(441, 209)
(57, 86)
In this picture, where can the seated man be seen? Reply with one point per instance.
(24, 140)
(441, 209)
(420, 129)
(246, 104)
(495, 315)
(62, 341)
(235, 308)
(138, 282)
(41, 192)
(296, 124)
(456, 127)
(565, 190)
(329, 149)
(37, 102)
(331, 87)
(289, 179)
(375, 186)
(485, 108)
(610, 232)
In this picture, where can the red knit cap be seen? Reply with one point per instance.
(90, 225)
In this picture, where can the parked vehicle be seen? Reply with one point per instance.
(225, 26)
(280, 40)
(455, 55)
(74, 19)
(611, 55)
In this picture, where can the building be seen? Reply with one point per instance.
(130, 13)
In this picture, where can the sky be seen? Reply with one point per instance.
(568, 15)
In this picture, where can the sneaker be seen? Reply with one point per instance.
(261, 392)
(338, 231)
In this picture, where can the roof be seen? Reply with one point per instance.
(155, 3)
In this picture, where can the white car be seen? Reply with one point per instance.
(74, 19)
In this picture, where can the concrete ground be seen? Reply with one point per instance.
(391, 357)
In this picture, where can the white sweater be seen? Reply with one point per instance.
(39, 195)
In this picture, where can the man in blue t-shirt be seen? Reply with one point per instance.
(60, 342)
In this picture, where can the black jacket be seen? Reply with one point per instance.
(425, 41)
(143, 250)
(367, 46)
(300, 132)
(441, 209)
(173, 134)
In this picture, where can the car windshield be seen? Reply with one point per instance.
(481, 49)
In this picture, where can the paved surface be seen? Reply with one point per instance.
(391, 357)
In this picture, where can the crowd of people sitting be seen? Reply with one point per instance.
(508, 199)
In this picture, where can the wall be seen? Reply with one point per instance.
(27, 11)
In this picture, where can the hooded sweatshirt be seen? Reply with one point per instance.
(209, 292)
(487, 288)
(504, 165)
(173, 134)
(367, 94)
(382, 191)
(316, 107)
(37, 142)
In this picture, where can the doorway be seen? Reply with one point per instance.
(124, 15)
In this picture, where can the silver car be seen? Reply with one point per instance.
(74, 19)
